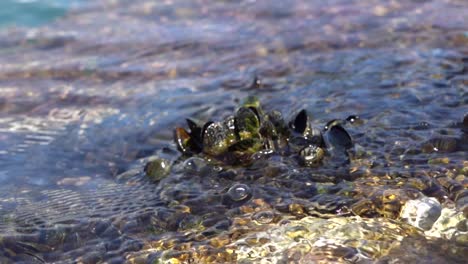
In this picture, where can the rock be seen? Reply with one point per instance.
(422, 212)
(451, 225)
(317, 240)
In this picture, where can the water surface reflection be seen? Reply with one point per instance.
(90, 96)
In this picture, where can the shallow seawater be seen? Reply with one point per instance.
(34, 12)
(87, 100)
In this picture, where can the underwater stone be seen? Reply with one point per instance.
(318, 240)
(451, 225)
(421, 213)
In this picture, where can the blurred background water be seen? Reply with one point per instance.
(33, 12)
(90, 88)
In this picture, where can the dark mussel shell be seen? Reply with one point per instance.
(188, 142)
(195, 135)
(336, 136)
(195, 130)
(276, 118)
(300, 122)
(301, 125)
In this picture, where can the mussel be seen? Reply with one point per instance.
(336, 137)
(302, 127)
(251, 130)
(189, 142)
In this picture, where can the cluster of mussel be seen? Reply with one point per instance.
(250, 130)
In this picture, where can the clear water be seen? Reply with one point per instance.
(93, 94)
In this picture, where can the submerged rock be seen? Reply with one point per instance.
(317, 240)
(422, 212)
(451, 225)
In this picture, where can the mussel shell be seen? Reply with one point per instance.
(193, 126)
(276, 118)
(216, 138)
(247, 123)
(245, 145)
(296, 143)
(195, 130)
(332, 123)
(336, 136)
(314, 136)
(253, 103)
(301, 125)
(182, 140)
(242, 151)
(268, 130)
(230, 125)
(300, 122)
(195, 135)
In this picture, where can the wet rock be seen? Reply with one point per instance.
(422, 212)
(318, 240)
(451, 225)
